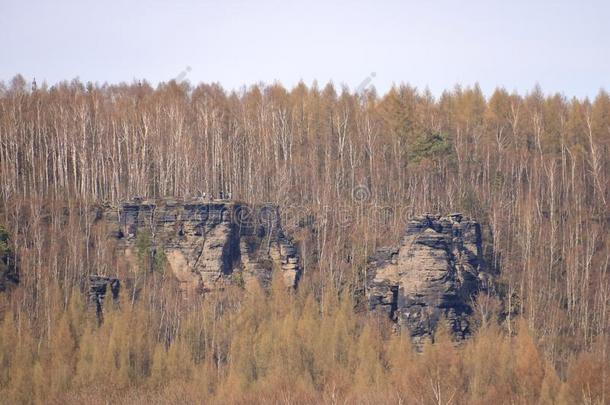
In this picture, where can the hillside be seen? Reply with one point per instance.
(356, 181)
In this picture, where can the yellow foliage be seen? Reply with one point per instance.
(280, 346)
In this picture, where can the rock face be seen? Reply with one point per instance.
(98, 288)
(207, 243)
(434, 273)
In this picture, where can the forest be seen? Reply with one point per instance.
(347, 169)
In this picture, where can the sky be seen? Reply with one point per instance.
(564, 46)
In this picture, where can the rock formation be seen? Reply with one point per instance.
(8, 269)
(98, 287)
(207, 243)
(434, 273)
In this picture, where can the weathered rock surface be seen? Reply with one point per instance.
(434, 273)
(208, 243)
(99, 287)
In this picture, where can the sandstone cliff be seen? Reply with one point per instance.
(433, 273)
(207, 243)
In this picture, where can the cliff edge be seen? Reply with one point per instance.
(206, 243)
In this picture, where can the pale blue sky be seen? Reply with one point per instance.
(562, 45)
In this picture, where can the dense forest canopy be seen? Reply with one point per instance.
(347, 169)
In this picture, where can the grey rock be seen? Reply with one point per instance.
(9, 275)
(433, 274)
(208, 243)
(98, 288)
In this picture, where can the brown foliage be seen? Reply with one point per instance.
(278, 347)
(347, 171)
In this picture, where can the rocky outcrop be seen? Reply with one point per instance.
(432, 274)
(8, 269)
(99, 287)
(207, 243)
